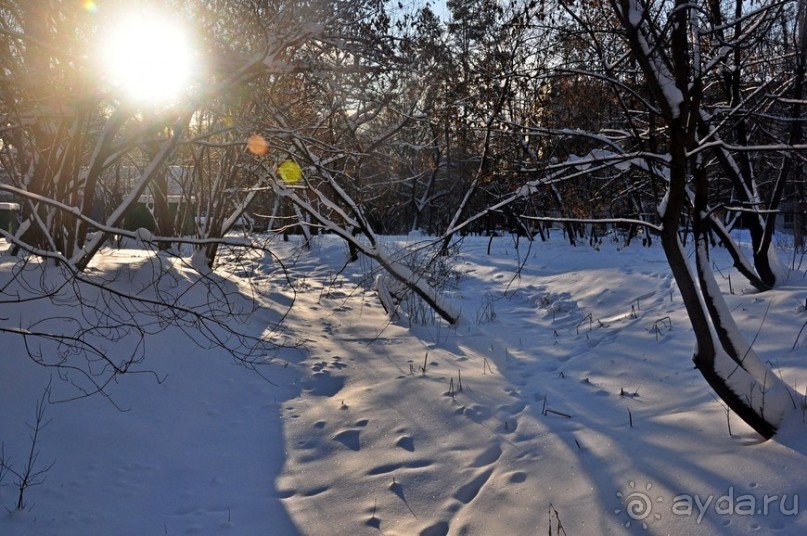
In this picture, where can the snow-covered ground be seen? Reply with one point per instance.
(564, 402)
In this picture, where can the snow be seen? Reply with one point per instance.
(566, 393)
(635, 14)
(747, 375)
(143, 235)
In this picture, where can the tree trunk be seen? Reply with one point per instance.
(726, 361)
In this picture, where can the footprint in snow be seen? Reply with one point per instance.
(390, 467)
(509, 413)
(322, 383)
(488, 456)
(315, 491)
(349, 438)
(438, 529)
(517, 477)
(468, 492)
(406, 443)
(285, 493)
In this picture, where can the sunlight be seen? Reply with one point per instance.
(147, 57)
(90, 6)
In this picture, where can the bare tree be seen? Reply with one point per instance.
(666, 135)
(668, 49)
(64, 135)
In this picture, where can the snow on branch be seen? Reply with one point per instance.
(395, 269)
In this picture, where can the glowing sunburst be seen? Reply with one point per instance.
(147, 57)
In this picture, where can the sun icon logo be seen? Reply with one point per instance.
(638, 505)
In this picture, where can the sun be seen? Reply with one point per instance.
(147, 58)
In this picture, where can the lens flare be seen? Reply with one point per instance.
(257, 145)
(89, 6)
(290, 172)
